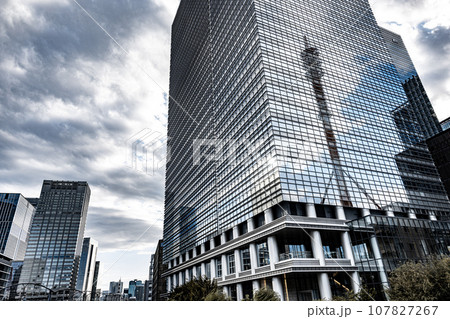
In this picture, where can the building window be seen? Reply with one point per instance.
(259, 220)
(219, 267)
(243, 228)
(231, 267)
(263, 254)
(332, 247)
(245, 259)
(208, 270)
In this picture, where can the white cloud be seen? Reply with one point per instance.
(429, 49)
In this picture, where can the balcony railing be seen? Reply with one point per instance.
(295, 255)
(333, 255)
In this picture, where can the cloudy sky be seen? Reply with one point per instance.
(73, 102)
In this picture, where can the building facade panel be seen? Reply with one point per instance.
(53, 254)
(288, 119)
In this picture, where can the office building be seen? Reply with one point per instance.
(149, 283)
(16, 214)
(418, 101)
(132, 286)
(147, 290)
(285, 125)
(116, 287)
(53, 254)
(158, 267)
(445, 124)
(139, 293)
(86, 269)
(96, 293)
(416, 121)
(439, 146)
(115, 292)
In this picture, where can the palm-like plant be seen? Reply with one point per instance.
(198, 289)
(265, 294)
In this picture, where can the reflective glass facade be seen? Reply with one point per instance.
(418, 101)
(445, 124)
(297, 103)
(86, 269)
(439, 146)
(385, 243)
(16, 214)
(53, 254)
(15, 220)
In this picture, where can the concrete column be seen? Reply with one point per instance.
(211, 243)
(390, 212)
(253, 257)
(273, 251)
(235, 232)
(324, 286)
(278, 287)
(186, 256)
(379, 261)
(340, 213)
(268, 215)
(432, 217)
(222, 239)
(202, 248)
(225, 291)
(239, 292)
(194, 252)
(187, 275)
(348, 251)
(224, 266)
(356, 283)
(169, 266)
(255, 285)
(180, 277)
(203, 269)
(365, 212)
(213, 269)
(169, 283)
(237, 262)
(250, 225)
(174, 280)
(311, 210)
(411, 214)
(194, 272)
(317, 248)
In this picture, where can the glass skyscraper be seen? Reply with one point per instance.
(86, 269)
(445, 124)
(284, 125)
(53, 254)
(16, 214)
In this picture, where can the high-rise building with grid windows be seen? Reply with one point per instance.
(284, 125)
(16, 214)
(54, 248)
(86, 270)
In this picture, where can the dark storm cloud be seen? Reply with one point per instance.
(52, 126)
(437, 39)
(122, 232)
(436, 43)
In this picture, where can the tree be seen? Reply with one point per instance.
(429, 281)
(198, 289)
(265, 294)
(364, 294)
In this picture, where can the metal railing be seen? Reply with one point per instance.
(295, 255)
